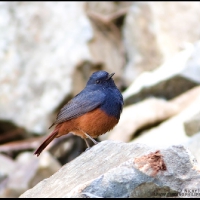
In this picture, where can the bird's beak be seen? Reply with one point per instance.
(110, 76)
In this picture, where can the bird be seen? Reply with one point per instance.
(91, 113)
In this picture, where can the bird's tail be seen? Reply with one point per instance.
(46, 142)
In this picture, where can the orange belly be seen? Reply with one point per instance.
(94, 123)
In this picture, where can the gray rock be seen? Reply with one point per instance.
(151, 36)
(183, 75)
(86, 167)
(145, 177)
(122, 170)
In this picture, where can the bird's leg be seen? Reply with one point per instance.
(95, 142)
(88, 146)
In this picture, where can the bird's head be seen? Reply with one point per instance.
(101, 79)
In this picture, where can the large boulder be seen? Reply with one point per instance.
(173, 77)
(40, 47)
(116, 170)
(151, 37)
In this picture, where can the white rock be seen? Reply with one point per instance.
(40, 45)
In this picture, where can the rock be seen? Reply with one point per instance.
(151, 37)
(171, 32)
(106, 47)
(148, 113)
(29, 170)
(40, 46)
(6, 166)
(192, 125)
(143, 114)
(126, 170)
(193, 145)
(183, 75)
(143, 51)
(171, 131)
(86, 167)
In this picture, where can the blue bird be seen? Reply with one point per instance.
(92, 112)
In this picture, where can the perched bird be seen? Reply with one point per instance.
(92, 112)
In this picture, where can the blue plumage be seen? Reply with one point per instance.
(100, 92)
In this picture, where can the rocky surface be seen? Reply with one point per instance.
(126, 170)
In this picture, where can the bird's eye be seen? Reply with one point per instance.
(97, 81)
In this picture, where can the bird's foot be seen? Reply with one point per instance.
(93, 140)
(87, 149)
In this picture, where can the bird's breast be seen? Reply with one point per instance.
(96, 122)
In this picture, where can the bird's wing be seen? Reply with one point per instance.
(79, 105)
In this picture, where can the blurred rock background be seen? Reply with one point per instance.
(48, 50)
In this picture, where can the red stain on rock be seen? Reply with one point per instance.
(151, 164)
